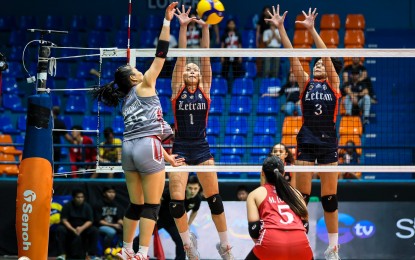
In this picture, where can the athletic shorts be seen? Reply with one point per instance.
(313, 153)
(144, 155)
(278, 244)
(194, 152)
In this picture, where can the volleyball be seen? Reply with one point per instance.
(110, 251)
(210, 11)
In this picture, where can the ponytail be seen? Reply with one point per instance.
(273, 167)
(108, 94)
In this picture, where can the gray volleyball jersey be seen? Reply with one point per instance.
(143, 116)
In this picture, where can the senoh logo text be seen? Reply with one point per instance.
(29, 196)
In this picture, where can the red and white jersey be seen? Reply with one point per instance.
(274, 213)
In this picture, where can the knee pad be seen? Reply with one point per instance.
(150, 211)
(329, 203)
(133, 211)
(306, 198)
(177, 209)
(215, 204)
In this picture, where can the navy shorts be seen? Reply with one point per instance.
(194, 152)
(317, 153)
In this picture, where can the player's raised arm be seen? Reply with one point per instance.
(205, 66)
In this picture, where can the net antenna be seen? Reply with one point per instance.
(129, 31)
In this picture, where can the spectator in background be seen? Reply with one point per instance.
(261, 26)
(363, 76)
(349, 155)
(357, 96)
(292, 96)
(231, 39)
(3, 67)
(242, 192)
(282, 152)
(77, 231)
(109, 217)
(167, 70)
(110, 150)
(56, 135)
(271, 39)
(79, 153)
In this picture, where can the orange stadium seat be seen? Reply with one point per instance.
(9, 169)
(355, 138)
(350, 125)
(355, 22)
(354, 38)
(302, 37)
(306, 66)
(292, 125)
(298, 26)
(330, 22)
(7, 139)
(330, 38)
(290, 140)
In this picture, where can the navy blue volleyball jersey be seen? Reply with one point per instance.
(319, 103)
(190, 114)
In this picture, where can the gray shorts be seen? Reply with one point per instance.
(144, 155)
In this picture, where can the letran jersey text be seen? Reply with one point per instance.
(191, 107)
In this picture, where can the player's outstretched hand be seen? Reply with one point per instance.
(276, 18)
(183, 15)
(170, 11)
(308, 22)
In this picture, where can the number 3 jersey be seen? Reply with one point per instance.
(274, 213)
(319, 103)
(190, 113)
(143, 117)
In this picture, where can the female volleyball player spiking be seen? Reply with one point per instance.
(142, 152)
(275, 213)
(317, 139)
(191, 102)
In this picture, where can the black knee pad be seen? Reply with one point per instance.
(329, 202)
(150, 211)
(133, 211)
(177, 209)
(215, 204)
(306, 198)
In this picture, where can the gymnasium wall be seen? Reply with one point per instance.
(379, 14)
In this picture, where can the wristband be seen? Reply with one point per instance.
(162, 49)
(166, 22)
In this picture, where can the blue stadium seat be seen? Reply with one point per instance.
(234, 141)
(133, 23)
(10, 86)
(15, 54)
(256, 159)
(78, 23)
(91, 123)
(219, 87)
(147, 38)
(97, 39)
(163, 87)
(268, 106)
(63, 70)
(264, 143)
(56, 100)
(231, 159)
(212, 142)
(270, 85)
(74, 83)
(71, 39)
(108, 69)
(121, 39)
(7, 23)
(13, 102)
(217, 106)
(165, 104)
(19, 139)
(241, 105)
(54, 22)
(14, 70)
(213, 126)
(118, 125)
(216, 68)
(67, 120)
(21, 123)
(153, 22)
(103, 23)
(265, 125)
(6, 126)
(237, 125)
(27, 22)
(243, 87)
(249, 39)
(17, 38)
(82, 71)
(76, 104)
(250, 69)
(104, 109)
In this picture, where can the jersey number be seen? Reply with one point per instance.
(191, 119)
(318, 110)
(282, 210)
